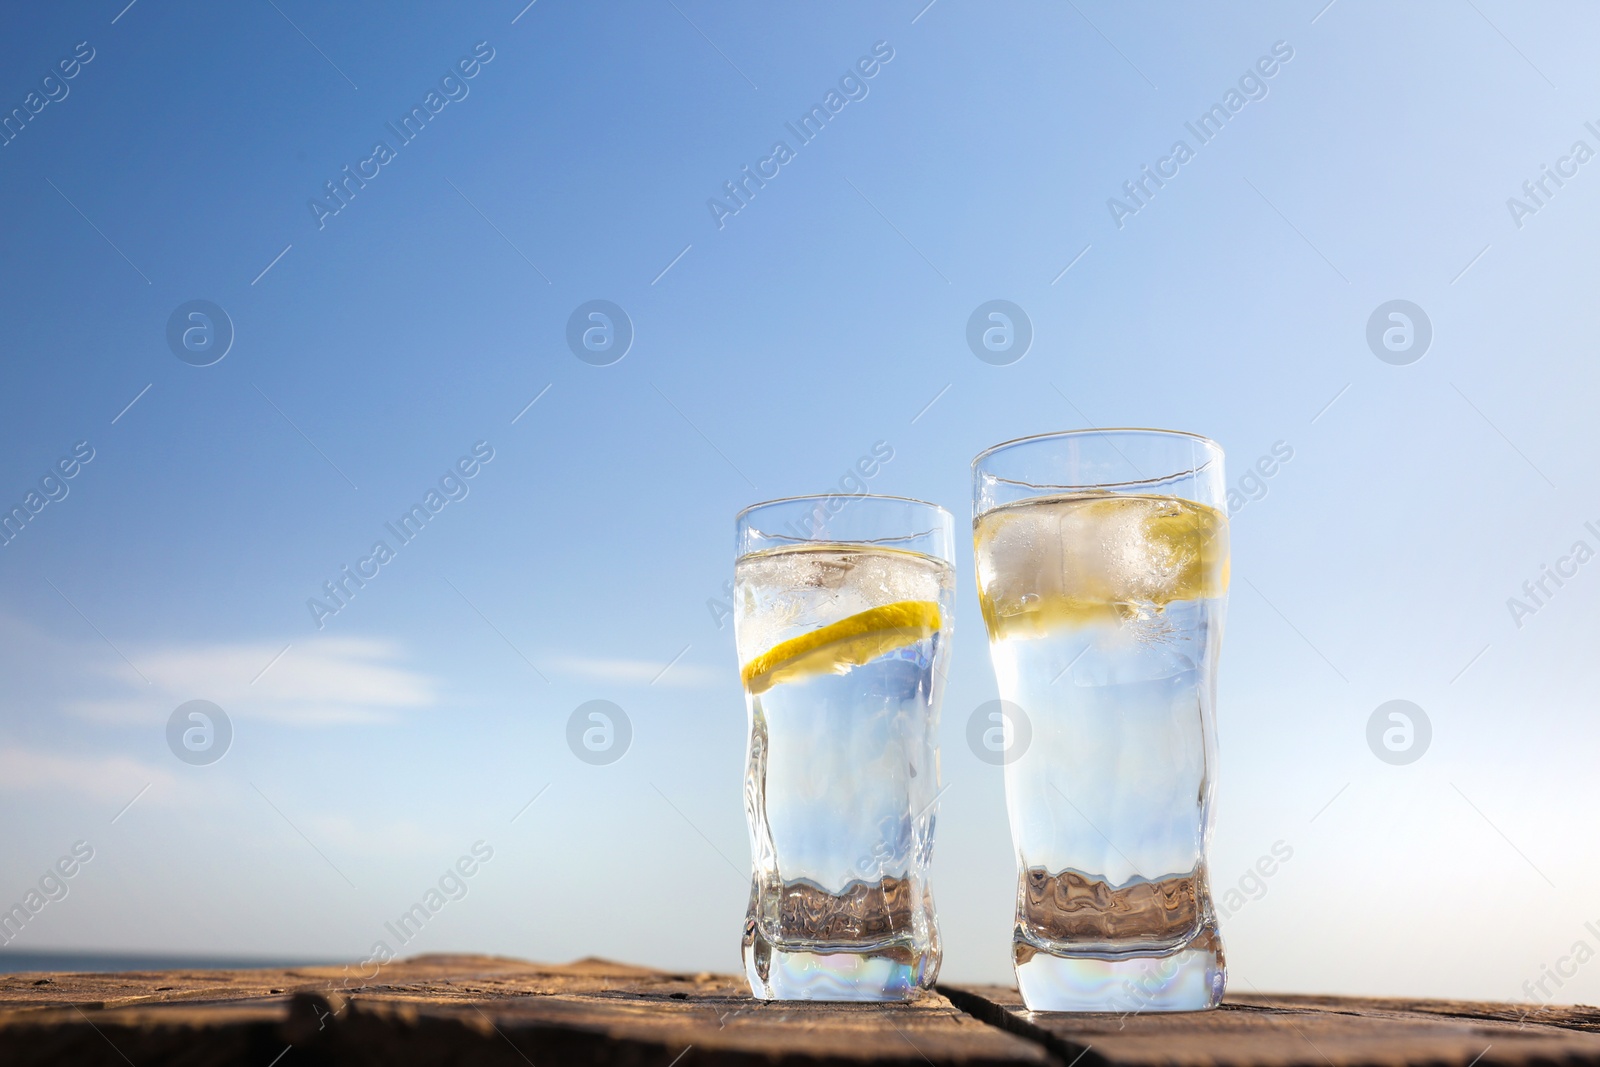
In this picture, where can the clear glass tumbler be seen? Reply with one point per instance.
(842, 615)
(1102, 559)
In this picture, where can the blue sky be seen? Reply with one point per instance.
(372, 352)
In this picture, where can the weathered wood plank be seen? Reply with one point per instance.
(470, 1009)
(489, 1010)
(1289, 1031)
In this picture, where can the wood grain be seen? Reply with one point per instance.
(471, 1009)
(1290, 1031)
(491, 1010)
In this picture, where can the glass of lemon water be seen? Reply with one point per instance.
(842, 617)
(1102, 560)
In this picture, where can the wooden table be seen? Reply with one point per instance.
(491, 1011)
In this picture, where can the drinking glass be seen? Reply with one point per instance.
(842, 615)
(1102, 559)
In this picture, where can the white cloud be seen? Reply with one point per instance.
(317, 682)
(638, 672)
(110, 778)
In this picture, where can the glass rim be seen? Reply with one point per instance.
(1152, 431)
(737, 518)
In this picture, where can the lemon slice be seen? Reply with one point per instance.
(850, 642)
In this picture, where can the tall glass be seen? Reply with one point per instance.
(842, 614)
(1102, 560)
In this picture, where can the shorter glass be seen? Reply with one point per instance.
(842, 614)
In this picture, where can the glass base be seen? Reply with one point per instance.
(1191, 978)
(889, 973)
